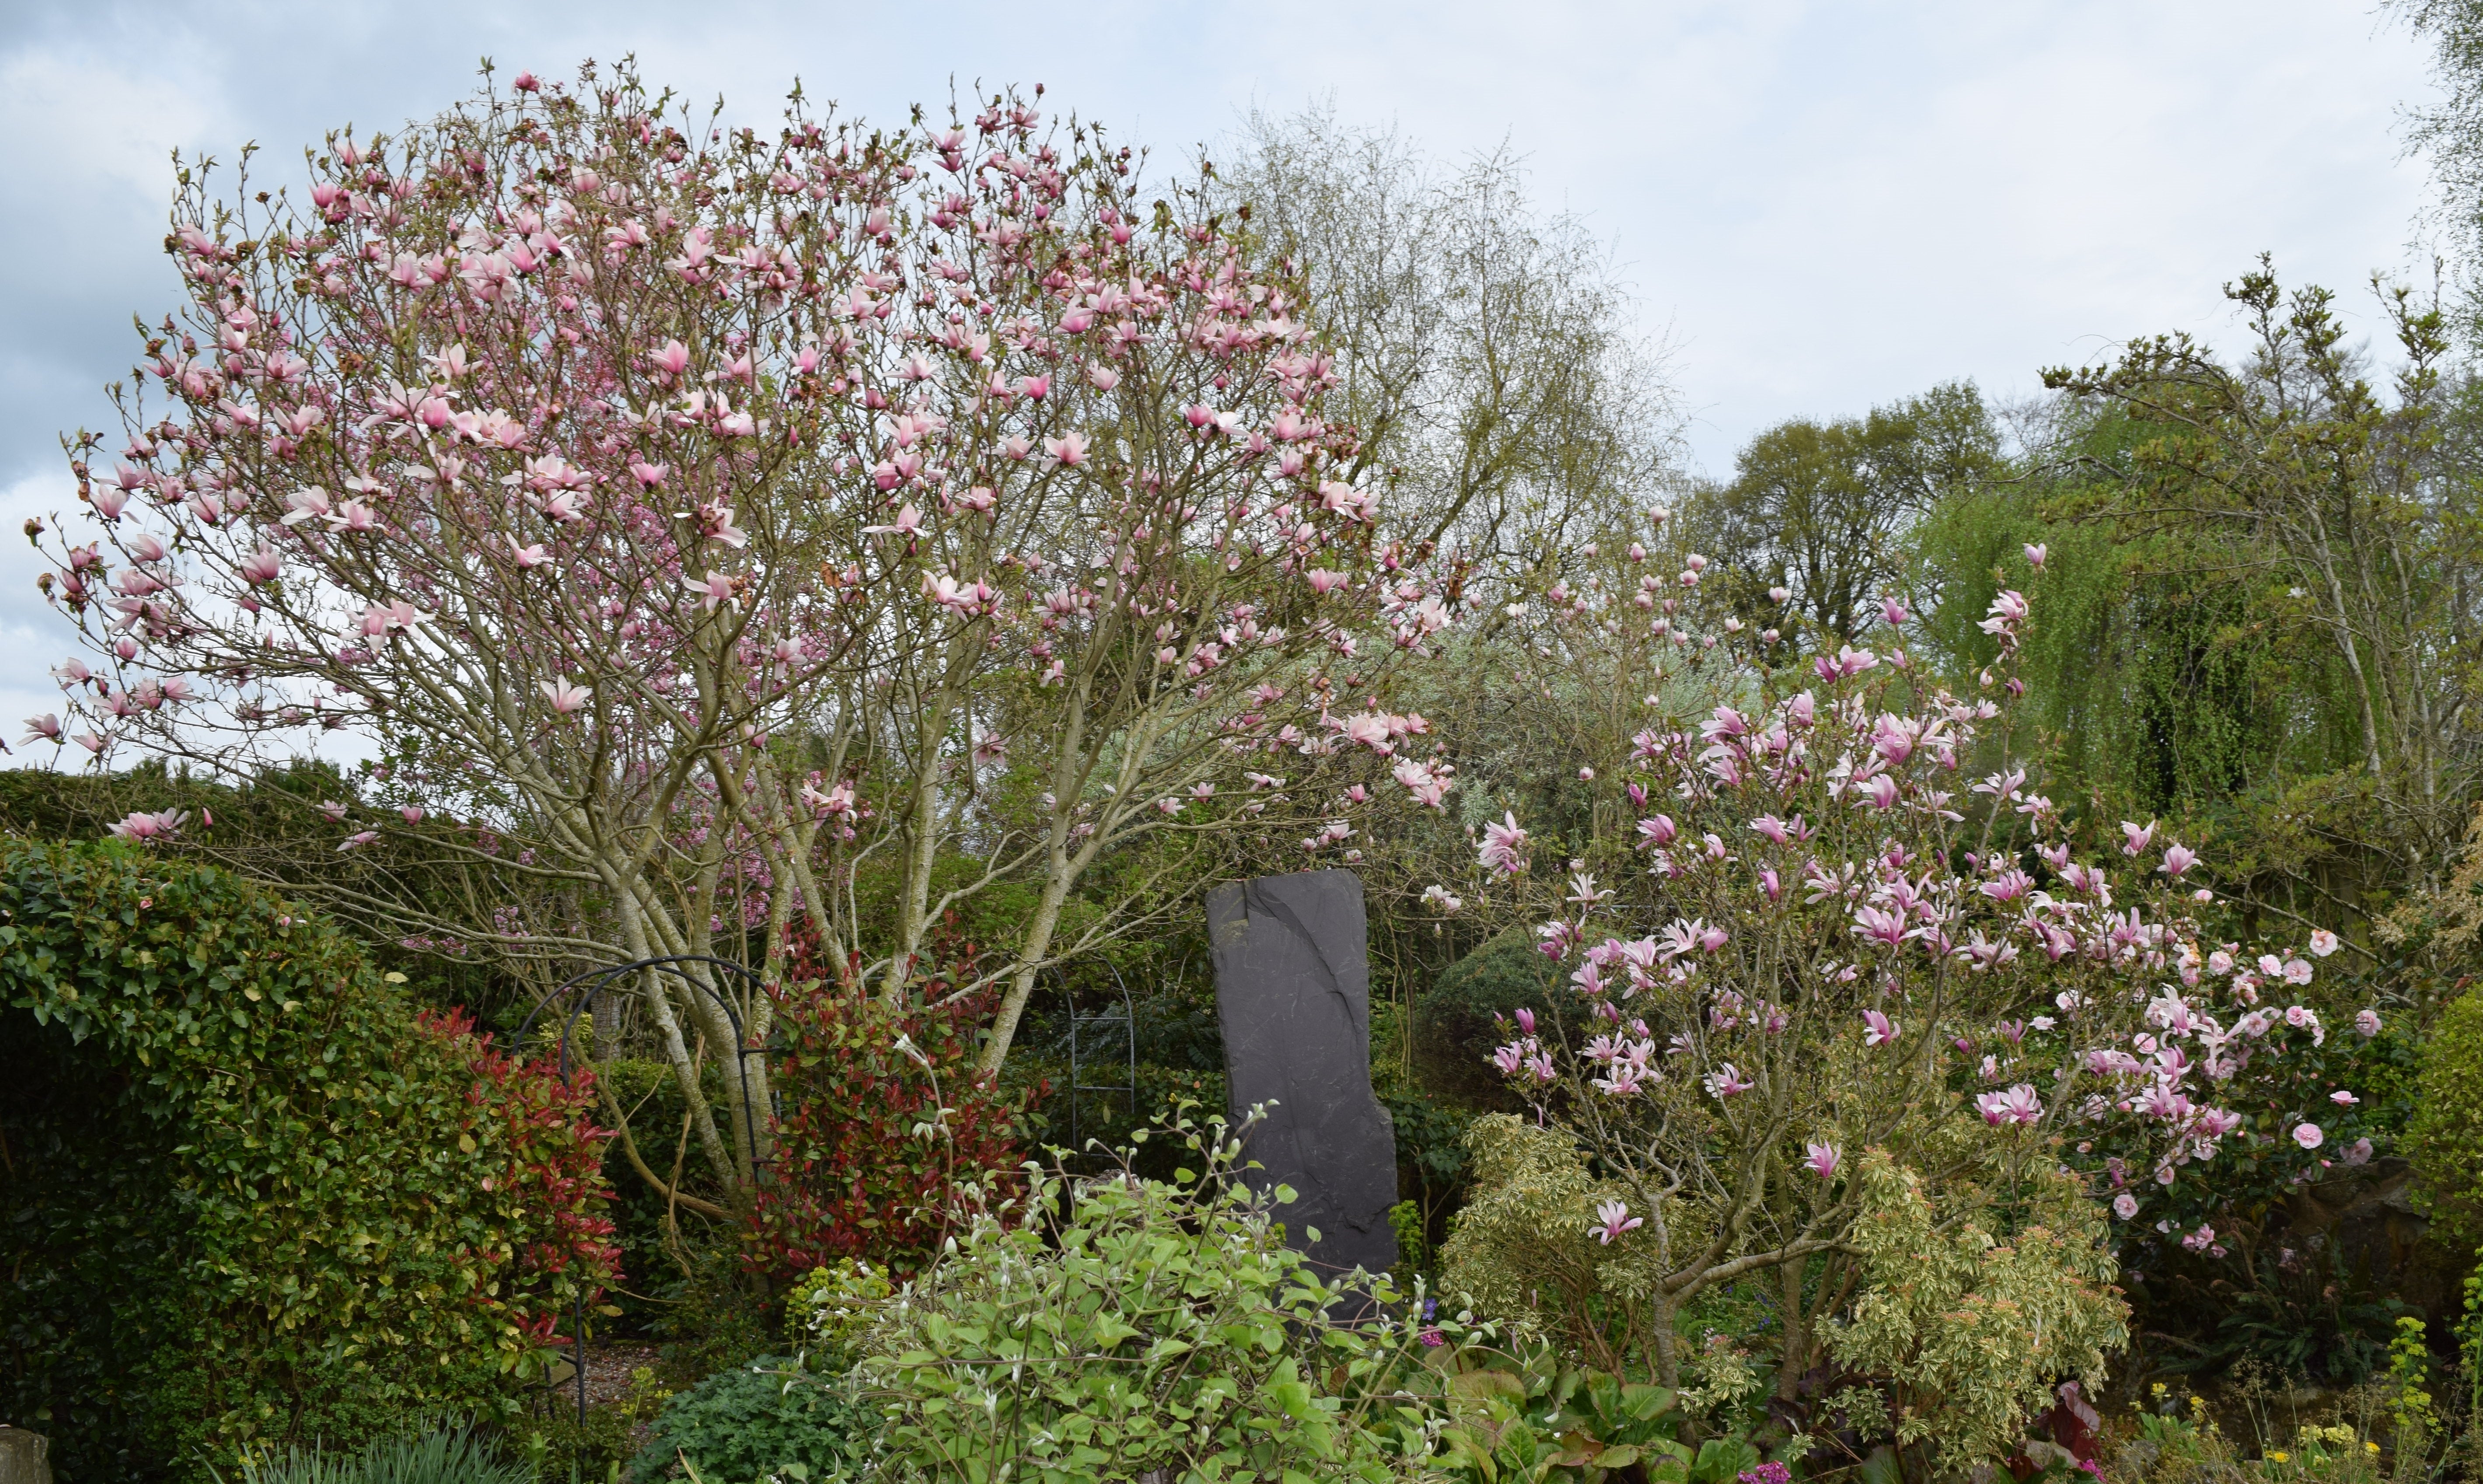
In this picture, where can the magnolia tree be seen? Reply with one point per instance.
(650, 493)
(1842, 920)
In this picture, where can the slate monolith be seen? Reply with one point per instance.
(1293, 989)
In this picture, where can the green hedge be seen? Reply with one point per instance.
(252, 1193)
(1453, 1026)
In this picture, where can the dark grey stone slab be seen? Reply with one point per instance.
(1293, 989)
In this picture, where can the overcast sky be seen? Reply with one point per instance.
(1819, 205)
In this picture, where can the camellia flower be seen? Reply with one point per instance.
(2124, 1205)
(2309, 1135)
(2322, 942)
(2366, 1022)
(2343, 1099)
(1613, 1219)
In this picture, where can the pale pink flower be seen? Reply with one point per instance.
(565, 698)
(146, 829)
(1504, 846)
(1822, 1159)
(2366, 1022)
(2124, 1205)
(2018, 1105)
(1612, 1220)
(2322, 942)
(1877, 1030)
(2309, 1135)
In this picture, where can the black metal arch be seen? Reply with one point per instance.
(1128, 1020)
(593, 983)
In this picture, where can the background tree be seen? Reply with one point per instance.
(2291, 467)
(1823, 510)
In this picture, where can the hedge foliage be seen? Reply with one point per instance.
(253, 1195)
(2445, 1137)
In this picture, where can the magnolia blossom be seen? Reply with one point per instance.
(1504, 846)
(1613, 1219)
(2018, 1105)
(146, 829)
(1727, 1081)
(1441, 899)
(1877, 1030)
(1822, 1158)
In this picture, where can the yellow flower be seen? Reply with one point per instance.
(2279, 1456)
(2158, 1389)
(2372, 1446)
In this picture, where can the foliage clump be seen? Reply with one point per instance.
(1973, 1325)
(1110, 1327)
(1524, 1251)
(258, 1197)
(2445, 1137)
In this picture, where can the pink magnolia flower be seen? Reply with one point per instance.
(2177, 859)
(146, 829)
(2018, 1105)
(2035, 552)
(908, 522)
(1877, 1030)
(2309, 1135)
(1068, 450)
(1613, 1219)
(1504, 846)
(565, 698)
(1822, 1159)
(44, 728)
(1727, 1081)
(2134, 838)
(358, 841)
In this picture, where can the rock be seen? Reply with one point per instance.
(1293, 989)
(25, 1457)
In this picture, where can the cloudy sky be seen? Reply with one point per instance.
(1819, 205)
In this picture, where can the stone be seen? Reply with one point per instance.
(1293, 991)
(25, 1457)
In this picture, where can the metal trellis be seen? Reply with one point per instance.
(1128, 1020)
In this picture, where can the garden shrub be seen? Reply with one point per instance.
(2445, 1137)
(1523, 1253)
(752, 1422)
(864, 1167)
(1454, 1030)
(1969, 1324)
(1111, 1327)
(255, 1197)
